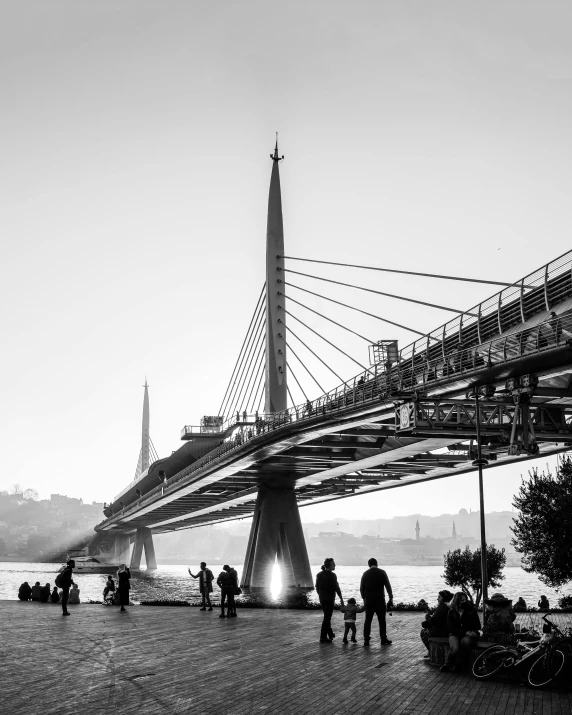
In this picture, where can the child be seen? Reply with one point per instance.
(349, 612)
(109, 589)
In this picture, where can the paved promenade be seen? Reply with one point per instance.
(166, 661)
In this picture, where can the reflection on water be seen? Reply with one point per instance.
(410, 584)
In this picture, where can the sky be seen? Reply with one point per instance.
(135, 141)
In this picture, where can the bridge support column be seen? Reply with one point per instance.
(121, 549)
(143, 540)
(276, 532)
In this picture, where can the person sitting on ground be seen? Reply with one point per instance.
(499, 618)
(109, 590)
(36, 588)
(55, 596)
(74, 594)
(45, 593)
(435, 625)
(464, 626)
(520, 605)
(543, 604)
(25, 592)
(349, 611)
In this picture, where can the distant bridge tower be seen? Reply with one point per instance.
(276, 530)
(143, 536)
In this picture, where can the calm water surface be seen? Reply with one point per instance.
(409, 583)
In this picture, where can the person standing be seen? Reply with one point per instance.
(327, 587)
(65, 581)
(206, 579)
(225, 583)
(123, 585)
(373, 583)
(236, 591)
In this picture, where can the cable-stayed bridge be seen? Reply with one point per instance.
(504, 366)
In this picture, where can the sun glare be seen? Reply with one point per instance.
(276, 582)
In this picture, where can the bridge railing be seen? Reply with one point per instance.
(377, 384)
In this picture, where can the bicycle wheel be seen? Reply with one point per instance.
(543, 671)
(490, 662)
(557, 668)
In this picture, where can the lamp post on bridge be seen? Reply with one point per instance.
(479, 462)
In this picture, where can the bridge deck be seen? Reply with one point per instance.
(181, 660)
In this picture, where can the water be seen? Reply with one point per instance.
(409, 583)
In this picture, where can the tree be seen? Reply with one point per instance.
(16, 490)
(31, 494)
(543, 529)
(463, 570)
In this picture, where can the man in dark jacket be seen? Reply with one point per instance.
(66, 581)
(436, 625)
(226, 584)
(373, 583)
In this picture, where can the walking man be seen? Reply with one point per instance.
(373, 583)
(66, 580)
(235, 590)
(206, 578)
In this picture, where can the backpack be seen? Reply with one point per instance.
(58, 580)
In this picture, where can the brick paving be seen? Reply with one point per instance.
(155, 659)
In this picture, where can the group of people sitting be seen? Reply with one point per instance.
(45, 594)
(456, 618)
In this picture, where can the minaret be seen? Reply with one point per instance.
(145, 430)
(275, 379)
(417, 530)
(454, 531)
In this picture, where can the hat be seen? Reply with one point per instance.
(497, 599)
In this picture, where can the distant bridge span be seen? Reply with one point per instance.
(399, 423)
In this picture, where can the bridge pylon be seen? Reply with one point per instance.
(276, 531)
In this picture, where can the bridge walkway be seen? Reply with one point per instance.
(169, 661)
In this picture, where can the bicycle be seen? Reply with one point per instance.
(544, 656)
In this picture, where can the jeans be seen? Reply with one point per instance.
(374, 608)
(65, 596)
(460, 649)
(328, 608)
(227, 594)
(349, 627)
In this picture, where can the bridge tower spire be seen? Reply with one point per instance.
(276, 395)
(145, 430)
(276, 532)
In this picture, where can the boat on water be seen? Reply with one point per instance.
(88, 564)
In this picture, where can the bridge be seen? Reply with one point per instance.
(500, 371)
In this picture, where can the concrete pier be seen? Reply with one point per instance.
(143, 541)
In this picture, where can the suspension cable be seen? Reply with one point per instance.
(256, 374)
(241, 349)
(253, 372)
(297, 382)
(314, 354)
(251, 330)
(330, 319)
(359, 310)
(239, 380)
(379, 292)
(290, 395)
(323, 338)
(305, 368)
(259, 391)
(249, 366)
(407, 273)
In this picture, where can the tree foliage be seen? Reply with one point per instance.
(543, 529)
(463, 570)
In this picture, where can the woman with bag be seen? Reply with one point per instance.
(206, 578)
